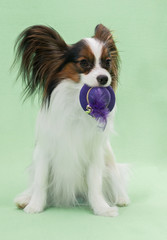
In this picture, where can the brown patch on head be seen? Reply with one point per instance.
(110, 57)
(84, 58)
(69, 71)
(80, 60)
(106, 59)
(86, 53)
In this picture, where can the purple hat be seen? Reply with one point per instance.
(98, 102)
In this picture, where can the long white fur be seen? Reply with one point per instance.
(73, 156)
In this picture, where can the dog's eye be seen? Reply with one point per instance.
(84, 63)
(108, 62)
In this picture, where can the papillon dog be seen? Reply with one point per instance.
(72, 158)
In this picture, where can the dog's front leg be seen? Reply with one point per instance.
(40, 180)
(117, 176)
(95, 195)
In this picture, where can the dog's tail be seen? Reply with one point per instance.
(41, 51)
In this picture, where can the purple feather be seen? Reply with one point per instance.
(99, 99)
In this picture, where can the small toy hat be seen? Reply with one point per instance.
(98, 102)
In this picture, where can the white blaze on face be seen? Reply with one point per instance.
(91, 78)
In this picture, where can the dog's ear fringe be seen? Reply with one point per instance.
(104, 35)
(41, 52)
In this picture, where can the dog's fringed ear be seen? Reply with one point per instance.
(104, 35)
(42, 52)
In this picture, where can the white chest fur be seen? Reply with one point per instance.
(71, 139)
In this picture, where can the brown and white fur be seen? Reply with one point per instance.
(72, 156)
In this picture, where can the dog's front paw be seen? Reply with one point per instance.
(34, 208)
(107, 211)
(123, 201)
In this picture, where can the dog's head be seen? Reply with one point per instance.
(46, 59)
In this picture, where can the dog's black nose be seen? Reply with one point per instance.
(102, 79)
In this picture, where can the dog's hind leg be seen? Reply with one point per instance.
(34, 200)
(40, 181)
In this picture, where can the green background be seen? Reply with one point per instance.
(140, 28)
